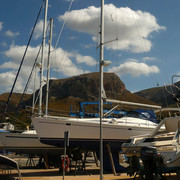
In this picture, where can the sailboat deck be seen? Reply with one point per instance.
(127, 121)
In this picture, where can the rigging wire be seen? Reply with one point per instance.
(152, 71)
(65, 56)
(114, 54)
(7, 103)
(29, 79)
(61, 30)
(145, 47)
(30, 76)
(63, 24)
(16, 120)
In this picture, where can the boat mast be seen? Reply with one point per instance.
(33, 103)
(101, 86)
(42, 59)
(48, 66)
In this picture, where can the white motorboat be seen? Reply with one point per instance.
(165, 145)
(5, 126)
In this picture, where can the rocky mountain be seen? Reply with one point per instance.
(160, 95)
(85, 87)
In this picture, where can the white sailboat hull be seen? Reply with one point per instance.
(85, 132)
(24, 144)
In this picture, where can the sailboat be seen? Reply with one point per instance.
(88, 133)
(25, 142)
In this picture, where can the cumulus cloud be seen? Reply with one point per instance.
(132, 28)
(16, 53)
(1, 25)
(7, 79)
(38, 30)
(9, 65)
(149, 59)
(61, 61)
(11, 34)
(134, 68)
(85, 59)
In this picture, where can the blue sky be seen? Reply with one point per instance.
(146, 53)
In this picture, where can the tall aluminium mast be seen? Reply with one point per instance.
(42, 58)
(101, 89)
(48, 66)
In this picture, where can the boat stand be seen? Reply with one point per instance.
(30, 162)
(111, 159)
(80, 162)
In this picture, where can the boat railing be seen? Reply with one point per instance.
(130, 122)
(173, 90)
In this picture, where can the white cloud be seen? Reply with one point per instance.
(9, 65)
(16, 53)
(61, 62)
(134, 68)
(7, 80)
(1, 25)
(85, 59)
(149, 59)
(38, 30)
(11, 34)
(132, 28)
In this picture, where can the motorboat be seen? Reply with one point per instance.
(5, 126)
(162, 147)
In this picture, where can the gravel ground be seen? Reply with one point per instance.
(91, 172)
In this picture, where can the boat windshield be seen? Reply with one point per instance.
(136, 115)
